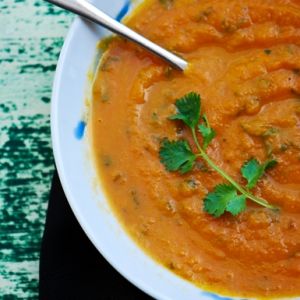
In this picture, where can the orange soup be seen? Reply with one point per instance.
(244, 60)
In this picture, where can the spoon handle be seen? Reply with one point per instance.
(90, 12)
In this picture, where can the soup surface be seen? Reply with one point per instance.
(245, 63)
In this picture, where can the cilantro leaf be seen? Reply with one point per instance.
(207, 132)
(177, 156)
(271, 163)
(252, 171)
(188, 107)
(224, 198)
(236, 205)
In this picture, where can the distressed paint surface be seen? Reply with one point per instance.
(31, 37)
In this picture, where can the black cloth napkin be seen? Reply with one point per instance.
(70, 266)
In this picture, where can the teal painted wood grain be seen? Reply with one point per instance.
(31, 37)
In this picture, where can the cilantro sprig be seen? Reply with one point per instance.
(178, 156)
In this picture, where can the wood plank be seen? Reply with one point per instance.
(31, 37)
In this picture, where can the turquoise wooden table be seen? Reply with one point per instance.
(31, 37)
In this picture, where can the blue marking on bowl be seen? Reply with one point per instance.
(124, 10)
(79, 130)
(214, 296)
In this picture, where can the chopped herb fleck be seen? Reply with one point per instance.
(271, 132)
(167, 3)
(154, 117)
(106, 65)
(204, 14)
(228, 26)
(268, 51)
(169, 72)
(171, 266)
(202, 166)
(296, 71)
(107, 161)
(135, 198)
(104, 97)
(284, 147)
(192, 183)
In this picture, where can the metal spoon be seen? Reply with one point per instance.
(90, 12)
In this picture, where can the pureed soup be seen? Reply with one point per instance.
(245, 64)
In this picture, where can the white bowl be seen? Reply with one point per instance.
(78, 176)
